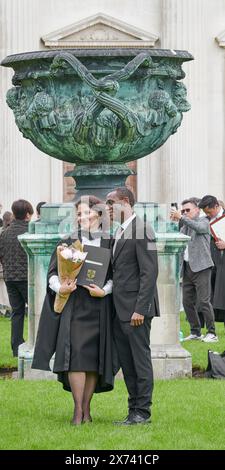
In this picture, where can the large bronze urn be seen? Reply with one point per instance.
(98, 108)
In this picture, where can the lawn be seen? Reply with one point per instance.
(199, 349)
(6, 358)
(186, 413)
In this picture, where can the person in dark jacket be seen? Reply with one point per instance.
(135, 271)
(213, 210)
(7, 219)
(4, 299)
(80, 336)
(15, 268)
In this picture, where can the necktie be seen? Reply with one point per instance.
(118, 235)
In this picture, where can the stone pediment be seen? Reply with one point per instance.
(99, 31)
(221, 39)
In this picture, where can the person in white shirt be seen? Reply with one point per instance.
(81, 335)
(210, 205)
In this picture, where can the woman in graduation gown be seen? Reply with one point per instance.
(81, 336)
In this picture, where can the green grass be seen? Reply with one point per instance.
(6, 358)
(199, 349)
(186, 413)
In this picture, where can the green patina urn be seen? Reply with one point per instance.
(99, 107)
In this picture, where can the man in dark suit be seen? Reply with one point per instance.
(135, 270)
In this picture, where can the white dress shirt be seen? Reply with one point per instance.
(220, 214)
(128, 221)
(186, 257)
(54, 282)
(119, 231)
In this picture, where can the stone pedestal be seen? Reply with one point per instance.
(99, 179)
(57, 220)
(170, 360)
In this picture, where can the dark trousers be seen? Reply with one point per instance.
(17, 292)
(197, 289)
(201, 319)
(218, 313)
(135, 358)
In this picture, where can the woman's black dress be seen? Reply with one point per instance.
(84, 331)
(81, 336)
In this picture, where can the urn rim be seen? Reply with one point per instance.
(11, 59)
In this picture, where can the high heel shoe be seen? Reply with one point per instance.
(87, 420)
(73, 423)
(76, 424)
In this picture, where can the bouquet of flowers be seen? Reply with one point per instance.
(70, 260)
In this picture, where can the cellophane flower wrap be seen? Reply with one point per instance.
(70, 260)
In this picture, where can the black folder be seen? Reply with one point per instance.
(95, 267)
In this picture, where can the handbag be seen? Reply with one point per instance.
(216, 365)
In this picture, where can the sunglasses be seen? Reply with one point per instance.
(185, 210)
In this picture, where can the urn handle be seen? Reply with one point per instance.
(104, 91)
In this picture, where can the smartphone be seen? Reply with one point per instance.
(174, 204)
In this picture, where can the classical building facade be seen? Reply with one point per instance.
(191, 163)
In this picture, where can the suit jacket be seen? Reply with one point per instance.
(199, 246)
(218, 276)
(135, 271)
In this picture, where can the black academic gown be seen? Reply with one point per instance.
(54, 331)
(218, 279)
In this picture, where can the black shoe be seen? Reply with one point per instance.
(87, 420)
(124, 422)
(138, 419)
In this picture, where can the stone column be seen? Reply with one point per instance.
(169, 359)
(39, 249)
(180, 168)
(23, 166)
(184, 158)
(56, 180)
